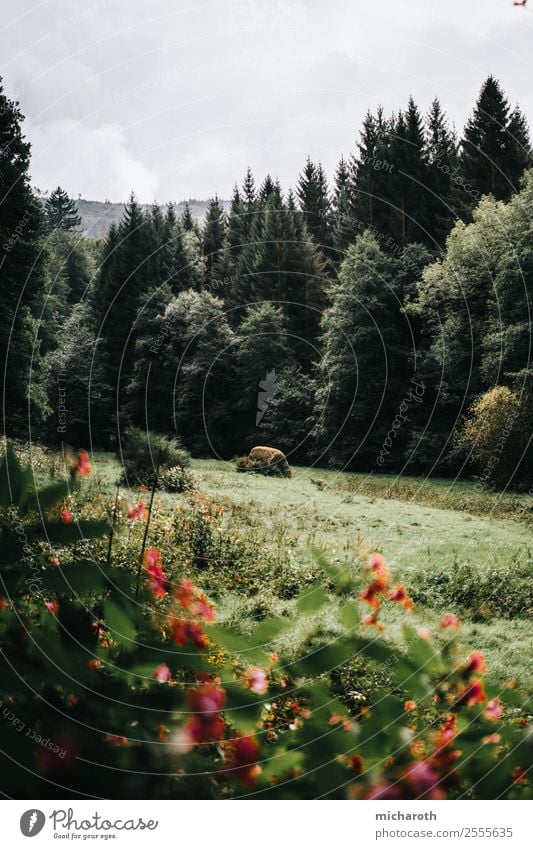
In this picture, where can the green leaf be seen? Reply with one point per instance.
(119, 621)
(311, 599)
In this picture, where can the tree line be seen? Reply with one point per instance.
(380, 307)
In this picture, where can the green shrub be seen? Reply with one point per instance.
(504, 590)
(142, 453)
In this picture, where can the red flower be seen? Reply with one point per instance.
(242, 760)
(447, 733)
(67, 517)
(203, 609)
(399, 595)
(183, 631)
(409, 705)
(449, 621)
(185, 593)
(476, 663)
(94, 663)
(156, 575)
(138, 511)
(494, 710)
(372, 621)
(206, 725)
(82, 467)
(356, 763)
(520, 775)
(55, 561)
(370, 593)
(52, 606)
(472, 695)
(163, 673)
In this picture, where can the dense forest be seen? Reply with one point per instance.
(390, 307)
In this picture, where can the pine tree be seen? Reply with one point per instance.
(187, 221)
(124, 276)
(312, 193)
(213, 241)
(61, 212)
(409, 178)
(22, 269)
(443, 202)
(342, 218)
(495, 145)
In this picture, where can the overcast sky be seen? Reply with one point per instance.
(174, 98)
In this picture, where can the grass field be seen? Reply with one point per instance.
(478, 566)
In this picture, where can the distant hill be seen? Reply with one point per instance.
(97, 216)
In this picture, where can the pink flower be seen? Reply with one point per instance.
(67, 517)
(424, 780)
(449, 621)
(82, 467)
(257, 680)
(377, 565)
(55, 561)
(52, 606)
(163, 673)
(494, 710)
(424, 633)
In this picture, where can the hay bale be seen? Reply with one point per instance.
(265, 460)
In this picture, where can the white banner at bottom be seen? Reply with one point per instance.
(261, 825)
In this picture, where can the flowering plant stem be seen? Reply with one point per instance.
(146, 528)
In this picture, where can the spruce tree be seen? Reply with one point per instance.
(61, 212)
(342, 220)
(409, 178)
(313, 197)
(444, 203)
(213, 241)
(495, 145)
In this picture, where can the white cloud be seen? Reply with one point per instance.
(177, 97)
(95, 163)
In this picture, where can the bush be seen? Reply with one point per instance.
(506, 589)
(142, 453)
(494, 437)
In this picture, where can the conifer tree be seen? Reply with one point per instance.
(213, 241)
(61, 212)
(444, 200)
(495, 144)
(342, 219)
(313, 197)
